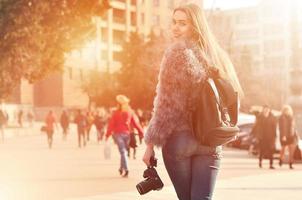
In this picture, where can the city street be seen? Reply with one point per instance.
(29, 170)
(223, 69)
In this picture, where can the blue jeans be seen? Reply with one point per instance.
(192, 168)
(122, 141)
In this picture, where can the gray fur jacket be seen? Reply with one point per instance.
(181, 71)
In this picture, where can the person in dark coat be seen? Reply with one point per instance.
(266, 135)
(90, 122)
(287, 134)
(99, 122)
(20, 118)
(133, 141)
(64, 121)
(81, 122)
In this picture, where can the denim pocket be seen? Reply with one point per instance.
(180, 145)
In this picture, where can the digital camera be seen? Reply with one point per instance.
(152, 180)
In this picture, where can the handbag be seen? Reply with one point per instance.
(43, 128)
(107, 151)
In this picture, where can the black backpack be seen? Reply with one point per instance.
(216, 111)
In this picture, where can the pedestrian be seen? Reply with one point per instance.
(20, 118)
(288, 137)
(90, 122)
(119, 128)
(266, 135)
(99, 122)
(50, 122)
(64, 121)
(132, 141)
(3, 121)
(81, 122)
(192, 167)
(30, 118)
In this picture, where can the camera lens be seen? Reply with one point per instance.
(144, 187)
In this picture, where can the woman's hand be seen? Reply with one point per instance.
(148, 154)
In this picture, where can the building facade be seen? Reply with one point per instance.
(271, 34)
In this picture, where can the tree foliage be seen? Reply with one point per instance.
(101, 88)
(140, 65)
(137, 77)
(258, 88)
(35, 35)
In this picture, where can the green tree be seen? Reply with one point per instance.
(101, 88)
(35, 35)
(140, 65)
(151, 59)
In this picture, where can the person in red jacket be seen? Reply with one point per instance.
(119, 124)
(50, 122)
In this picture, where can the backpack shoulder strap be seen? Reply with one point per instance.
(214, 89)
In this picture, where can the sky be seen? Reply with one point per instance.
(229, 4)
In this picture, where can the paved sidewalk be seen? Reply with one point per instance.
(279, 186)
(31, 171)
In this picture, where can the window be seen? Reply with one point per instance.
(272, 46)
(133, 18)
(119, 16)
(104, 34)
(273, 29)
(104, 54)
(247, 34)
(118, 37)
(274, 62)
(248, 17)
(118, 56)
(275, 13)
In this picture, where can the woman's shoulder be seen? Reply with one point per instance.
(174, 46)
(185, 50)
(179, 47)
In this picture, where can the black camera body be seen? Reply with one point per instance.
(152, 180)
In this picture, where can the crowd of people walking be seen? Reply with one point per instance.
(120, 121)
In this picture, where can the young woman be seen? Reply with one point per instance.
(287, 134)
(119, 125)
(192, 167)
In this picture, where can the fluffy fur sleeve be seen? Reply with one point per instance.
(180, 69)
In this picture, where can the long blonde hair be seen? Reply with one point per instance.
(124, 107)
(213, 54)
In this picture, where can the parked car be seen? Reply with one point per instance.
(245, 124)
(246, 140)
